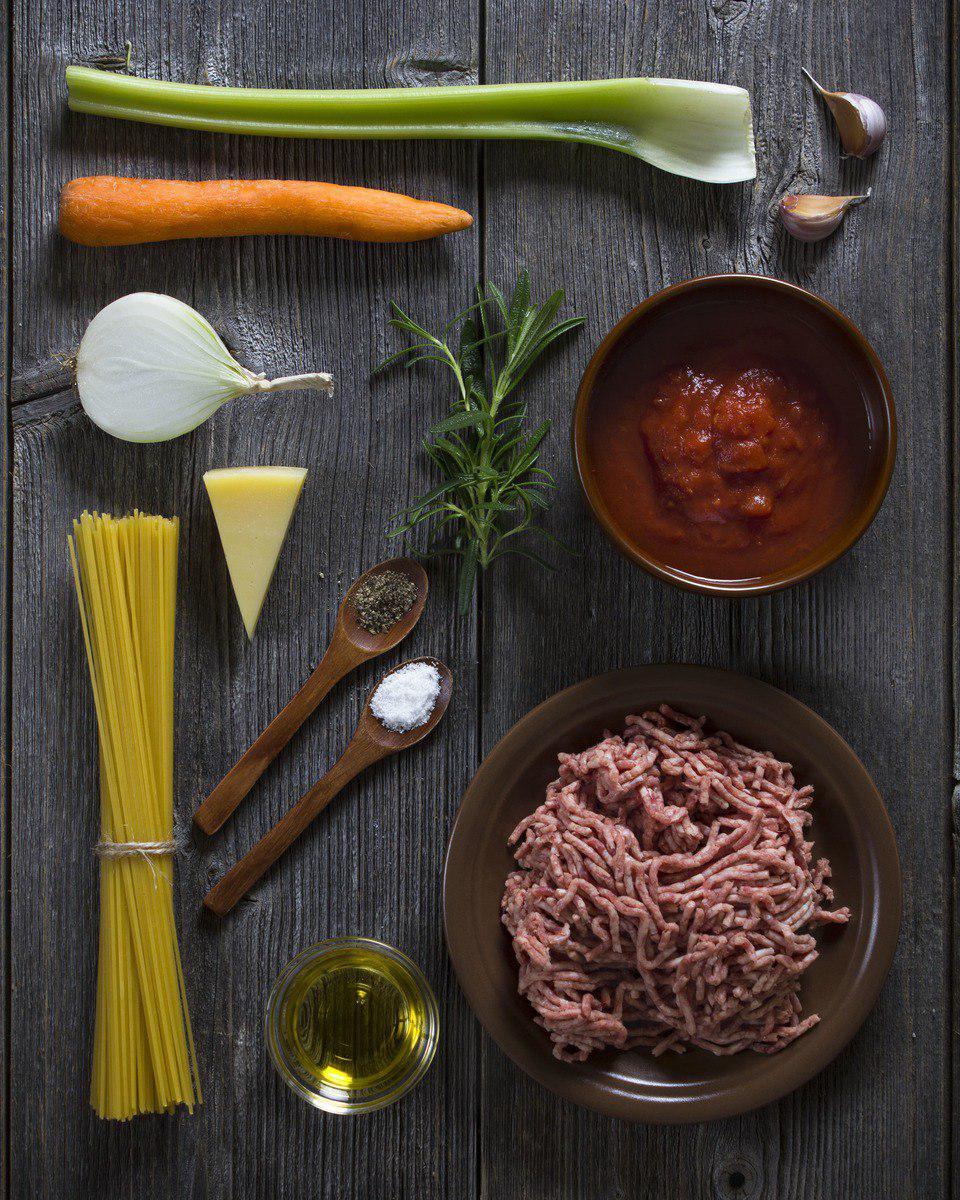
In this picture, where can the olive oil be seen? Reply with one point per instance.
(352, 1024)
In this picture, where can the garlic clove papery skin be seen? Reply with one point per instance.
(812, 218)
(872, 127)
(860, 121)
(150, 368)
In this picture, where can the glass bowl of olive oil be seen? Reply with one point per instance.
(352, 1025)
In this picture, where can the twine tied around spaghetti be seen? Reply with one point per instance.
(147, 850)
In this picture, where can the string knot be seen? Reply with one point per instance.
(148, 851)
(129, 849)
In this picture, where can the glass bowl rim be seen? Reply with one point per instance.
(281, 1060)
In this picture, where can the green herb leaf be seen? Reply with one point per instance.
(471, 355)
(468, 575)
(473, 419)
(491, 486)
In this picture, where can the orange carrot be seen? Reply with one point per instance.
(102, 210)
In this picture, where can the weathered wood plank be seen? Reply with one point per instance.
(372, 864)
(878, 619)
(865, 644)
(5, 496)
(954, 1131)
(952, 321)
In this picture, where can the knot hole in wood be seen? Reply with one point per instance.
(736, 1178)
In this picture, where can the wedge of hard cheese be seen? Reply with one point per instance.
(253, 507)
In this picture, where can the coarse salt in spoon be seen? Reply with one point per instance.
(371, 742)
(350, 646)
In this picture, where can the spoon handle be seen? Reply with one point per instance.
(244, 874)
(341, 658)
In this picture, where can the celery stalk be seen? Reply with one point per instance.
(701, 130)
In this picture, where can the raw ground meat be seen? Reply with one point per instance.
(665, 895)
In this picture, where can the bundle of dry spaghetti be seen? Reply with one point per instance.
(125, 571)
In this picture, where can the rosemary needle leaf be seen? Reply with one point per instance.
(430, 497)
(468, 575)
(470, 354)
(472, 419)
(491, 486)
(519, 302)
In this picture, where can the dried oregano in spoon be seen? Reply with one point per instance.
(491, 486)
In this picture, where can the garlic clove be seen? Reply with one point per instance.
(812, 218)
(861, 122)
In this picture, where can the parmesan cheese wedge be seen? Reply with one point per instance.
(253, 508)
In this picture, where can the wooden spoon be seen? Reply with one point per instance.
(371, 742)
(350, 646)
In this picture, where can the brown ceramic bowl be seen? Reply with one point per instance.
(850, 827)
(821, 337)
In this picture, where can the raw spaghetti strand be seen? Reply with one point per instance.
(125, 572)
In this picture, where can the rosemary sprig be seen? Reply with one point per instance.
(491, 485)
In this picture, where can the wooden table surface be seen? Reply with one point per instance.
(868, 644)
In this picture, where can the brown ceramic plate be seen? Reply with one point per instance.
(669, 327)
(850, 827)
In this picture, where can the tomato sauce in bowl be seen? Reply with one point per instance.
(728, 443)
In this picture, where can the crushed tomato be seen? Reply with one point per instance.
(726, 465)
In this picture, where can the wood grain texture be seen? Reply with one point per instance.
(5, 541)
(865, 644)
(371, 865)
(371, 743)
(349, 647)
(954, 328)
